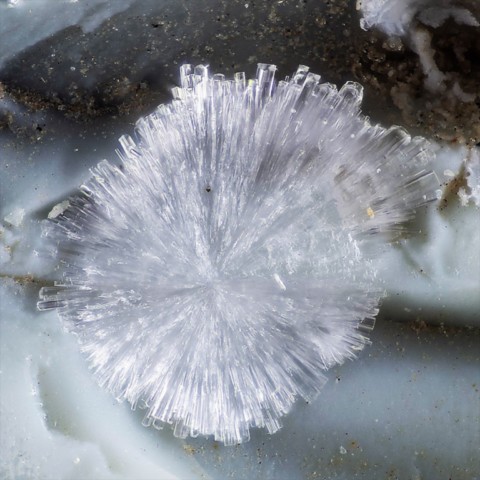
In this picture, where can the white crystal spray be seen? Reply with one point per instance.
(216, 276)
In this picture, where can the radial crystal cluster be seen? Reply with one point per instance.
(216, 275)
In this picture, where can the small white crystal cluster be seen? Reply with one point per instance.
(410, 19)
(220, 270)
(396, 17)
(471, 191)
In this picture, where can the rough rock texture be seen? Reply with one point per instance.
(424, 57)
(127, 63)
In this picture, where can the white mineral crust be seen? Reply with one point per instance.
(24, 23)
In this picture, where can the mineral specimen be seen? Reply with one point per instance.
(228, 262)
